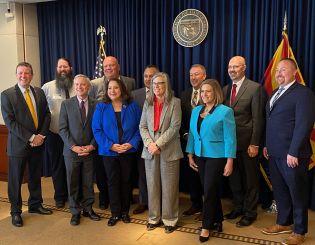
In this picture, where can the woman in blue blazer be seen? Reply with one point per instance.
(116, 130)
(211, 148)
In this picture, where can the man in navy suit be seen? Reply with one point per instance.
(27, 117)
(290, 115)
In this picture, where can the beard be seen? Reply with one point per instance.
(64, 81)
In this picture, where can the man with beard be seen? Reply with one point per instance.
(56, 92)
(111, 69)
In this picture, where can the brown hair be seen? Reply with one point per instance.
(25, 64)
(217, 91)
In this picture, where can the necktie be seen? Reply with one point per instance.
(233, 94)
(276, 96)
(67, 93)
(194, 101)
(83, 112)
(31, 106)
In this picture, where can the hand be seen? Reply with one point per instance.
(117, 148)
(265, 153)
(252, 150)
(228, 169)
(37, 141)
(79, 150)
(292, 161)
(153, 148)
(192, 162)
(86, 149)
(125, 147)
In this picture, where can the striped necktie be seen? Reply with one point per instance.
(276, 96)
(31, 106)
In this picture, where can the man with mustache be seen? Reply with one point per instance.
(56, 92)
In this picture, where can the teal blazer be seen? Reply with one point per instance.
(217, 138)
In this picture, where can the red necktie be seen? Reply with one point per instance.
(233, 94)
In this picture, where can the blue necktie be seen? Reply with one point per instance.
(276, 96)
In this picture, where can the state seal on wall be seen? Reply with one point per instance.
(190, 27)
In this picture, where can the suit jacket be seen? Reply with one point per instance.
(18, 119)
(105, 127)
(289, 123)
(248, 112)
(185, 99)
(71, 128)
(139, 96)
(97, 89)
(217, 137)
(169, 139)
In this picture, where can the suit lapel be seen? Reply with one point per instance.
(90, 106)
(282, 96)
(164, 110)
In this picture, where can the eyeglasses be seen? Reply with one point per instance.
(234, 67)
(158, 83)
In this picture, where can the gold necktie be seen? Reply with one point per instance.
(195, 99)
(31, 106)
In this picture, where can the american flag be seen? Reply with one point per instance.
(101, 53)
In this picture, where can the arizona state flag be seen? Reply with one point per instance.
(284, 51)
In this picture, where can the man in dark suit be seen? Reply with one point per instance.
(140, 95)
(245, 98)
(290, 116)
(189, 99)
(111, 69)
(27, 117)
(79, 149)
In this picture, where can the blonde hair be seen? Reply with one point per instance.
(217, 91)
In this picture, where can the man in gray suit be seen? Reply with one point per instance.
(111, 69)
(140, 95)
(79, 149)
(244, 97)
(27, 117)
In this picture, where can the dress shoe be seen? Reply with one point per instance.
(203, 239)
(245, 221)
(125, 218)
(192, 211)
(17, 220)
(75, 219)
(103, 206)
(294, 239)
(218, 227)
(140, 209)
(91, 214)
(277, 229)
(233, 214)
(169, 228)
(151, 226)
(40, 210)
(60, 204)
(113, 220)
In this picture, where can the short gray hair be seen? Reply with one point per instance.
(168, 89)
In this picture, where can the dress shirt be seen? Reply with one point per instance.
(284, 89)
(86, 104)
(157, 113)
(239, 84)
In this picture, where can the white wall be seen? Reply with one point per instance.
(18, 42)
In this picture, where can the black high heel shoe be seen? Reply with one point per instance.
(218, 227)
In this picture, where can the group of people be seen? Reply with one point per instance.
(105, 125)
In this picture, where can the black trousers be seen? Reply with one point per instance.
(290, 188)
(101, 180)
(80, 172)
(244, 183)
(17, 167)
(210, 171)
(142, 179)
(54, 146)
(118, 170)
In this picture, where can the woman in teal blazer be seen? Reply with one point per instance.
(211, 148)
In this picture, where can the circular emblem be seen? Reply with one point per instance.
(190, 27)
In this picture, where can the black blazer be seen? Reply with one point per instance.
(71, 128)
(18, 119)
(289, 123)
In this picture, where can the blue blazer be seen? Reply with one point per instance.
(217, 138)
(289, 123)
(105, 129)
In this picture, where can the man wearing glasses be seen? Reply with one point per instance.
(245, 98)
